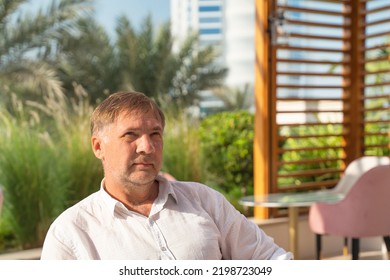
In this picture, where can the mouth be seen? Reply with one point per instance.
(143, 164)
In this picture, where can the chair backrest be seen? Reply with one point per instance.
(364, 212)
(356, 169)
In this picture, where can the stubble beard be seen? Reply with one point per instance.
(135, 179)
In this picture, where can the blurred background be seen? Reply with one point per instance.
(60, 58)
(319, 105)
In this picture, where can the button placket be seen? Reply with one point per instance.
(160, 240)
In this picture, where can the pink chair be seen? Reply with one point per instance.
(364, 212)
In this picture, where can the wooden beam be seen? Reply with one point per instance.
(354, 143)
(261, 149)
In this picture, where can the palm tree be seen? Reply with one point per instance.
(88, 58)
(148, 64)
(141, 60)
(196, 71)
(27, 41)
(236, 98)
(145, 58)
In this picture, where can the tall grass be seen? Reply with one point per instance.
(182, 155)
(28, 173)
(83, 172)
(46, 163)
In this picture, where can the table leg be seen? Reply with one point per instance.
(293, 230)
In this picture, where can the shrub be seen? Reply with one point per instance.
(298, 153)
(227, 148)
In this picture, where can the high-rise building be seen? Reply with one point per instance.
(228, 25)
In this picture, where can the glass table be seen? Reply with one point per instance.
(292, 201)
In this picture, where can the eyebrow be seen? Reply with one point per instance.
(155, 128)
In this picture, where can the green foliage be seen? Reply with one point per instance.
(182, 147)
(146, 59)
(88, 58)
(7, 237)
(149, 64)
(378, 141)
(195, 70)
(227, 148)
(82, 171)
(26, 44)
(46, 164)
(141, 60)
(28, 175)
(296, 152)
(236, 98)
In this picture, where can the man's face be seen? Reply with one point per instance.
(131, 149)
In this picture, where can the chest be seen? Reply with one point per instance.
(167, 235)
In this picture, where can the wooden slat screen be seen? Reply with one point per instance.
(329, 89)
(376, 75)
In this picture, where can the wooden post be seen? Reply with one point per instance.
(354, 118)
(261, 164)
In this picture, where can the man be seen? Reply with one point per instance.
(139, 214)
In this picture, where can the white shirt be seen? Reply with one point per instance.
(188, 221)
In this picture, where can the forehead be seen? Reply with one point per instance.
(139, 119)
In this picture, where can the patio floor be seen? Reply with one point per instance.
(373, 255)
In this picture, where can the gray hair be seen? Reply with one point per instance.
(131, 102)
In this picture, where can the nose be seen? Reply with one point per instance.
(145, 145)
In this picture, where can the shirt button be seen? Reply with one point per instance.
(163, 248)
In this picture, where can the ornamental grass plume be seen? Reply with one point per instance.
(46, 162)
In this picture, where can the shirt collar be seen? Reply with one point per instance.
(110, 202)
(165, 190)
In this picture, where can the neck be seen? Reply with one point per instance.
(136, 198)
(141, 195)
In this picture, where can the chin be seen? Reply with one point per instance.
(143, 178)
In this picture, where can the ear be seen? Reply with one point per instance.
(96, 142)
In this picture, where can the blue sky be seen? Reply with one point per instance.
(107, 11)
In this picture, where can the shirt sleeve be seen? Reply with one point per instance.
(55, 248)
(244, 240)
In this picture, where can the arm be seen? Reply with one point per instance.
(54, 248)
(243, 239)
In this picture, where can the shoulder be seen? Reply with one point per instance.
(81, 211)
(198, 193)
(193, 188)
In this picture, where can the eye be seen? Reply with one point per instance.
(156, 134)
(130, 135)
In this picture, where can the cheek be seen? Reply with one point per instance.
(159, 145)
(159, 149)
(112, 152)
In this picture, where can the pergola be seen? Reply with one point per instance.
(322, 91)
